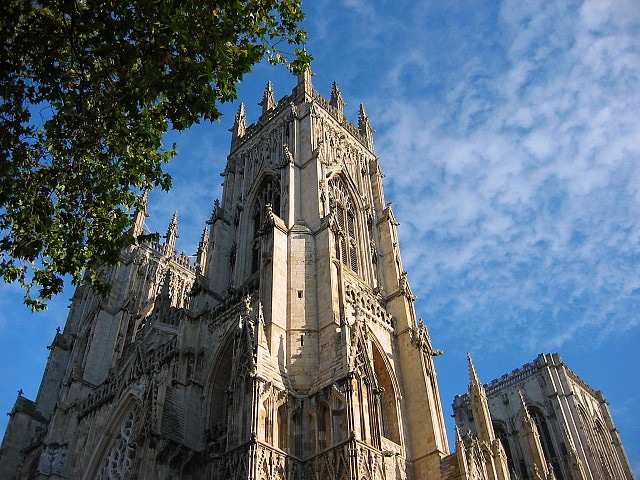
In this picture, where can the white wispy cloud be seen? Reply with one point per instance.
(525, 214)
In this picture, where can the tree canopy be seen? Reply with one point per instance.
(88, 88)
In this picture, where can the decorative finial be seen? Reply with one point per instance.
(201, 255)
(365, 127)
(268, 99)
(473, 375)
(337, 101)
(305, 86)
(140, 215)
(239, 127)
(171, 236)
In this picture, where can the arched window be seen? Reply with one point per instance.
(219, 404)
(338, 420)
(119, 460)
(345, 215)
(268, 195)
(282, 426)
(501, 433)
(546, 440)
(603, 446)
(324, 426)
(266, 420)
(386, 398)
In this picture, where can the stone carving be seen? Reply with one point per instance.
(52, 460)
(421, 339)
(287, 155)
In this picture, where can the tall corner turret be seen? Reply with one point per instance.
(171, 236)
(364, 125)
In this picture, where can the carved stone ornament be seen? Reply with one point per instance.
(287, 156)
(52, 460)
(269, 220)
(420, 339)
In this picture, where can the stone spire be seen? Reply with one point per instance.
(268, 99)
(201, 256)
(239, 126)
(337, 101)
(365, 127)
(171, 236)
(479, 405)
(140, 215)
(305, 86)
(461, 453)
(495, 457)
(532, 441)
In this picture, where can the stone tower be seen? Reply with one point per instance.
(289, 350)
(552, 425)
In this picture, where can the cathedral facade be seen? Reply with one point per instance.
(289, 350)
(551, 424)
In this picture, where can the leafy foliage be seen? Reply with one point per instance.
(88, 88)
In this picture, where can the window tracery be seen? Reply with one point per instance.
(119, 461)
(603, 447)
(266, 202)
(501, 433)
(386, 399)
(344, 213)
(546, 440)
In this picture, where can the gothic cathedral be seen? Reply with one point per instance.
(289, 350)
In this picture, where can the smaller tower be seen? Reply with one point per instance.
(565, 429)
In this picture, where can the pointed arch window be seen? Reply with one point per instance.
(603, 446)
(119, 461)
(220, 395)
(546, 440)
(282, 426)
(268, 195)
(501, 433)
(599, 444)
(386, 397)
(338, 420)
(345, 214)
(324, 426)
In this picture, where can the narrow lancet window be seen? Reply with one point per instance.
(267, 199)
(345, 215)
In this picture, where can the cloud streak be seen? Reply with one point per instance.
(525, 217)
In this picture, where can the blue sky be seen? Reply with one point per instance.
(509, 134)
